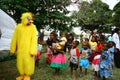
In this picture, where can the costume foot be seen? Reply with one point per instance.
(26, 78)
(19, 78)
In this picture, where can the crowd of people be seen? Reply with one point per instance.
(96, 52)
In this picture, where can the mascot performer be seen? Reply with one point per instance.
(24, 43)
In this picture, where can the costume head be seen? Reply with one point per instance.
(27, 18)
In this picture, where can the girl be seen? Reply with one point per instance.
(38, 52)
(49, 42)
(74, 57)
(84, 62)
(58, 58)
(105, 64)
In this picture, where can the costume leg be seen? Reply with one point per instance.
(20, 77)
(26, 77)
(20, 68)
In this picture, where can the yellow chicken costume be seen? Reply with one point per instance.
(24, 43)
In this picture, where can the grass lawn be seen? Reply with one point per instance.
(8, 71)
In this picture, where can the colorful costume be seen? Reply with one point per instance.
(111, 54)
(24, 44)
(105, 65)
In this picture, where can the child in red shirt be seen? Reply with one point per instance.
(74, 58)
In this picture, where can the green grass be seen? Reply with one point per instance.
(8, 71)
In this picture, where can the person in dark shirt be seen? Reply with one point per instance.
(49, 43)
(70, 39)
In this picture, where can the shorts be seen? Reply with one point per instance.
(74, 66)
(84, 63)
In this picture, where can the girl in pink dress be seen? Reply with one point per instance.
(58, 58)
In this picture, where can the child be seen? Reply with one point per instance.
(49, 42)
(86, 40)
(74, 57)
(84, 62)
(38, 52)
(97, 54)
(62, 44)
(105, 64)
(58, 59)
(70, 39)
(93, 44)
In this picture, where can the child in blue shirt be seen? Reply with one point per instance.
(84, 62)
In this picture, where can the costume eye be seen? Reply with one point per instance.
(28, 18)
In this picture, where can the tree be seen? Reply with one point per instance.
(116, 16)
(94, 14)
(47, 12)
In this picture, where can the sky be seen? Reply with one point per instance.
(111, 4)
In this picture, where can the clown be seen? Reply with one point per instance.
(24, 43)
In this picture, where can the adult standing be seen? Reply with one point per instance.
(94, 33)
(116, 40)
(24, 43)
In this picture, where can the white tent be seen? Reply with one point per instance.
(7, 26)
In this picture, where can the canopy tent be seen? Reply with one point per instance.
(7, 26)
